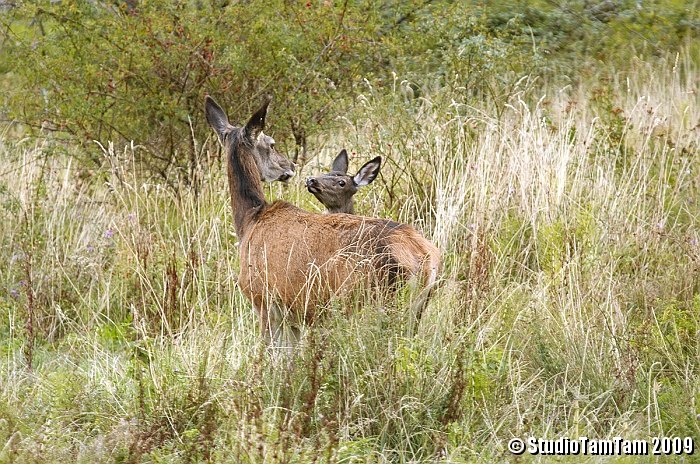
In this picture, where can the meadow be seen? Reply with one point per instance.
(569, 303)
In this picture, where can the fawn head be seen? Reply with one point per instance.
(336, 188)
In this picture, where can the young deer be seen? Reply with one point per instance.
(291, 260)
(336, 189)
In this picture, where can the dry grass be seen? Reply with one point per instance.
(569, 304)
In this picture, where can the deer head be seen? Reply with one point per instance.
(272, 164)
(336, 188)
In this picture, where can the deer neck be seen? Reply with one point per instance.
(247, 197)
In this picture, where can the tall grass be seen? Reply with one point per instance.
(568, 306)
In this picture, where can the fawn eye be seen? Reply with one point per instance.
(341, 183)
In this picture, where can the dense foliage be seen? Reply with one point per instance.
(137, 71)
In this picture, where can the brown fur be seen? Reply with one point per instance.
(292, 261)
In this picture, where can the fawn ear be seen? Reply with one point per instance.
(257, 122)
(216, 117)
(368, 172)
(340, 163)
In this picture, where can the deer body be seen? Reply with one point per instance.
(291, 260)
(323, 255)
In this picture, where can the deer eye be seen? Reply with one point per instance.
(341, 183)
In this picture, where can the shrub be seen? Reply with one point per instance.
(91, 71)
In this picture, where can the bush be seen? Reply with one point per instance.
(94, 72)
(575, 34)
(91, 71)
(137, 71)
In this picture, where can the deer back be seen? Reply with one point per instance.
(304, 258)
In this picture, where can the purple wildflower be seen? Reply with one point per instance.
(109, 233)
(14, 293)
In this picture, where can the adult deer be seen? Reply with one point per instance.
(291, 260)
(271, 164)
(336, 189)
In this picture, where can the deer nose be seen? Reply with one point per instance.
(310, 181)
(287, 175)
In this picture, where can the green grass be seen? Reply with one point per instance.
(569, 304)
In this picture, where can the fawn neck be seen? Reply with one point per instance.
(348, 207)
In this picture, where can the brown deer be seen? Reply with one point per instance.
(336, 189)
(291, 260)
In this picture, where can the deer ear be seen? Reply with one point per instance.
(368, 172)
(257, 122)
(340, 163)
(216, 117)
